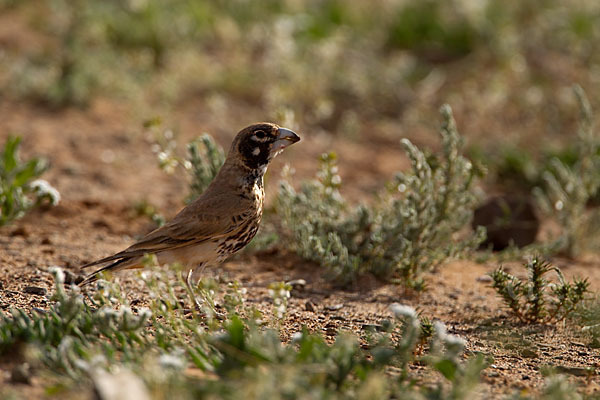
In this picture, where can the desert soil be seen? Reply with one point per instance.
(102, 164)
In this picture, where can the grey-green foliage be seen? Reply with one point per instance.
(206, 158)
(19, 191)
(568, 189)
(108, 46)
(415, 224)
(587, 315)
(536, 300)
(244, 360)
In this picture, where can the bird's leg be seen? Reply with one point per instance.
(188, 283)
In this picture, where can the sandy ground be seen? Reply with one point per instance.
(102, 164)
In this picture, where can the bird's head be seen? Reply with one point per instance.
(258, 144)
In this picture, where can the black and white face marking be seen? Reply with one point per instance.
(262, 143)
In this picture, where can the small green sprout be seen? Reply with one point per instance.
(536, 300)
(280, 293)
(19, 190)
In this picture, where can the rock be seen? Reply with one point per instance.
(297, 283)
(20, 231)
(330, 329)
(21, 373)
(71, 278)
(508, 219)
(309, 306)
(40, 291)
(372, 327)
(529, 353)
(576, 371)
(120, 385)
(484, 279)
(334, 307)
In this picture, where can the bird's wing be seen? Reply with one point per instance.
(208, 217)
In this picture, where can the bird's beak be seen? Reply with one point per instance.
(285, 138)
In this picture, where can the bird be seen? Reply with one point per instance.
(221, 221)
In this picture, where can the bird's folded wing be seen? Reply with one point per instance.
(198, 222)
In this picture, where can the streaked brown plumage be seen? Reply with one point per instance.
(223, 219)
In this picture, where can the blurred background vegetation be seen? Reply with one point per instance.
(344, 67)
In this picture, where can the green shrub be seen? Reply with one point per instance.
(414, 226)
(19, 191)
(536, 300)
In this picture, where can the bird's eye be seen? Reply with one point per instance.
(260, 134)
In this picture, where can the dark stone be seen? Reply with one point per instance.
(35, 290)
(297, 283)
(21, 373)
(71, 278)
(373, 327)
(507, 219)
(309, 306)
(20, 231)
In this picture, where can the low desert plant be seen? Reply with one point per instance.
(280, 293)
(19, 189)
(415, 225)
(204, 158)
(537, 300)
(587, 316)
(569, 188)
(77, 337)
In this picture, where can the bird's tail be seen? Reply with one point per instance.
(123, 263)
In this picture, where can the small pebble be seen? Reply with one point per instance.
(309, 306)
(21, 374)
(529, 353)
(297, 283)
(484, 279)
(35, 290)
(71, 278)
(576, 371)
(135, 302)
(334, 307)
(372, 327)
(20, 231)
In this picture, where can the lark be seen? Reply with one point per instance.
(222, 220)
